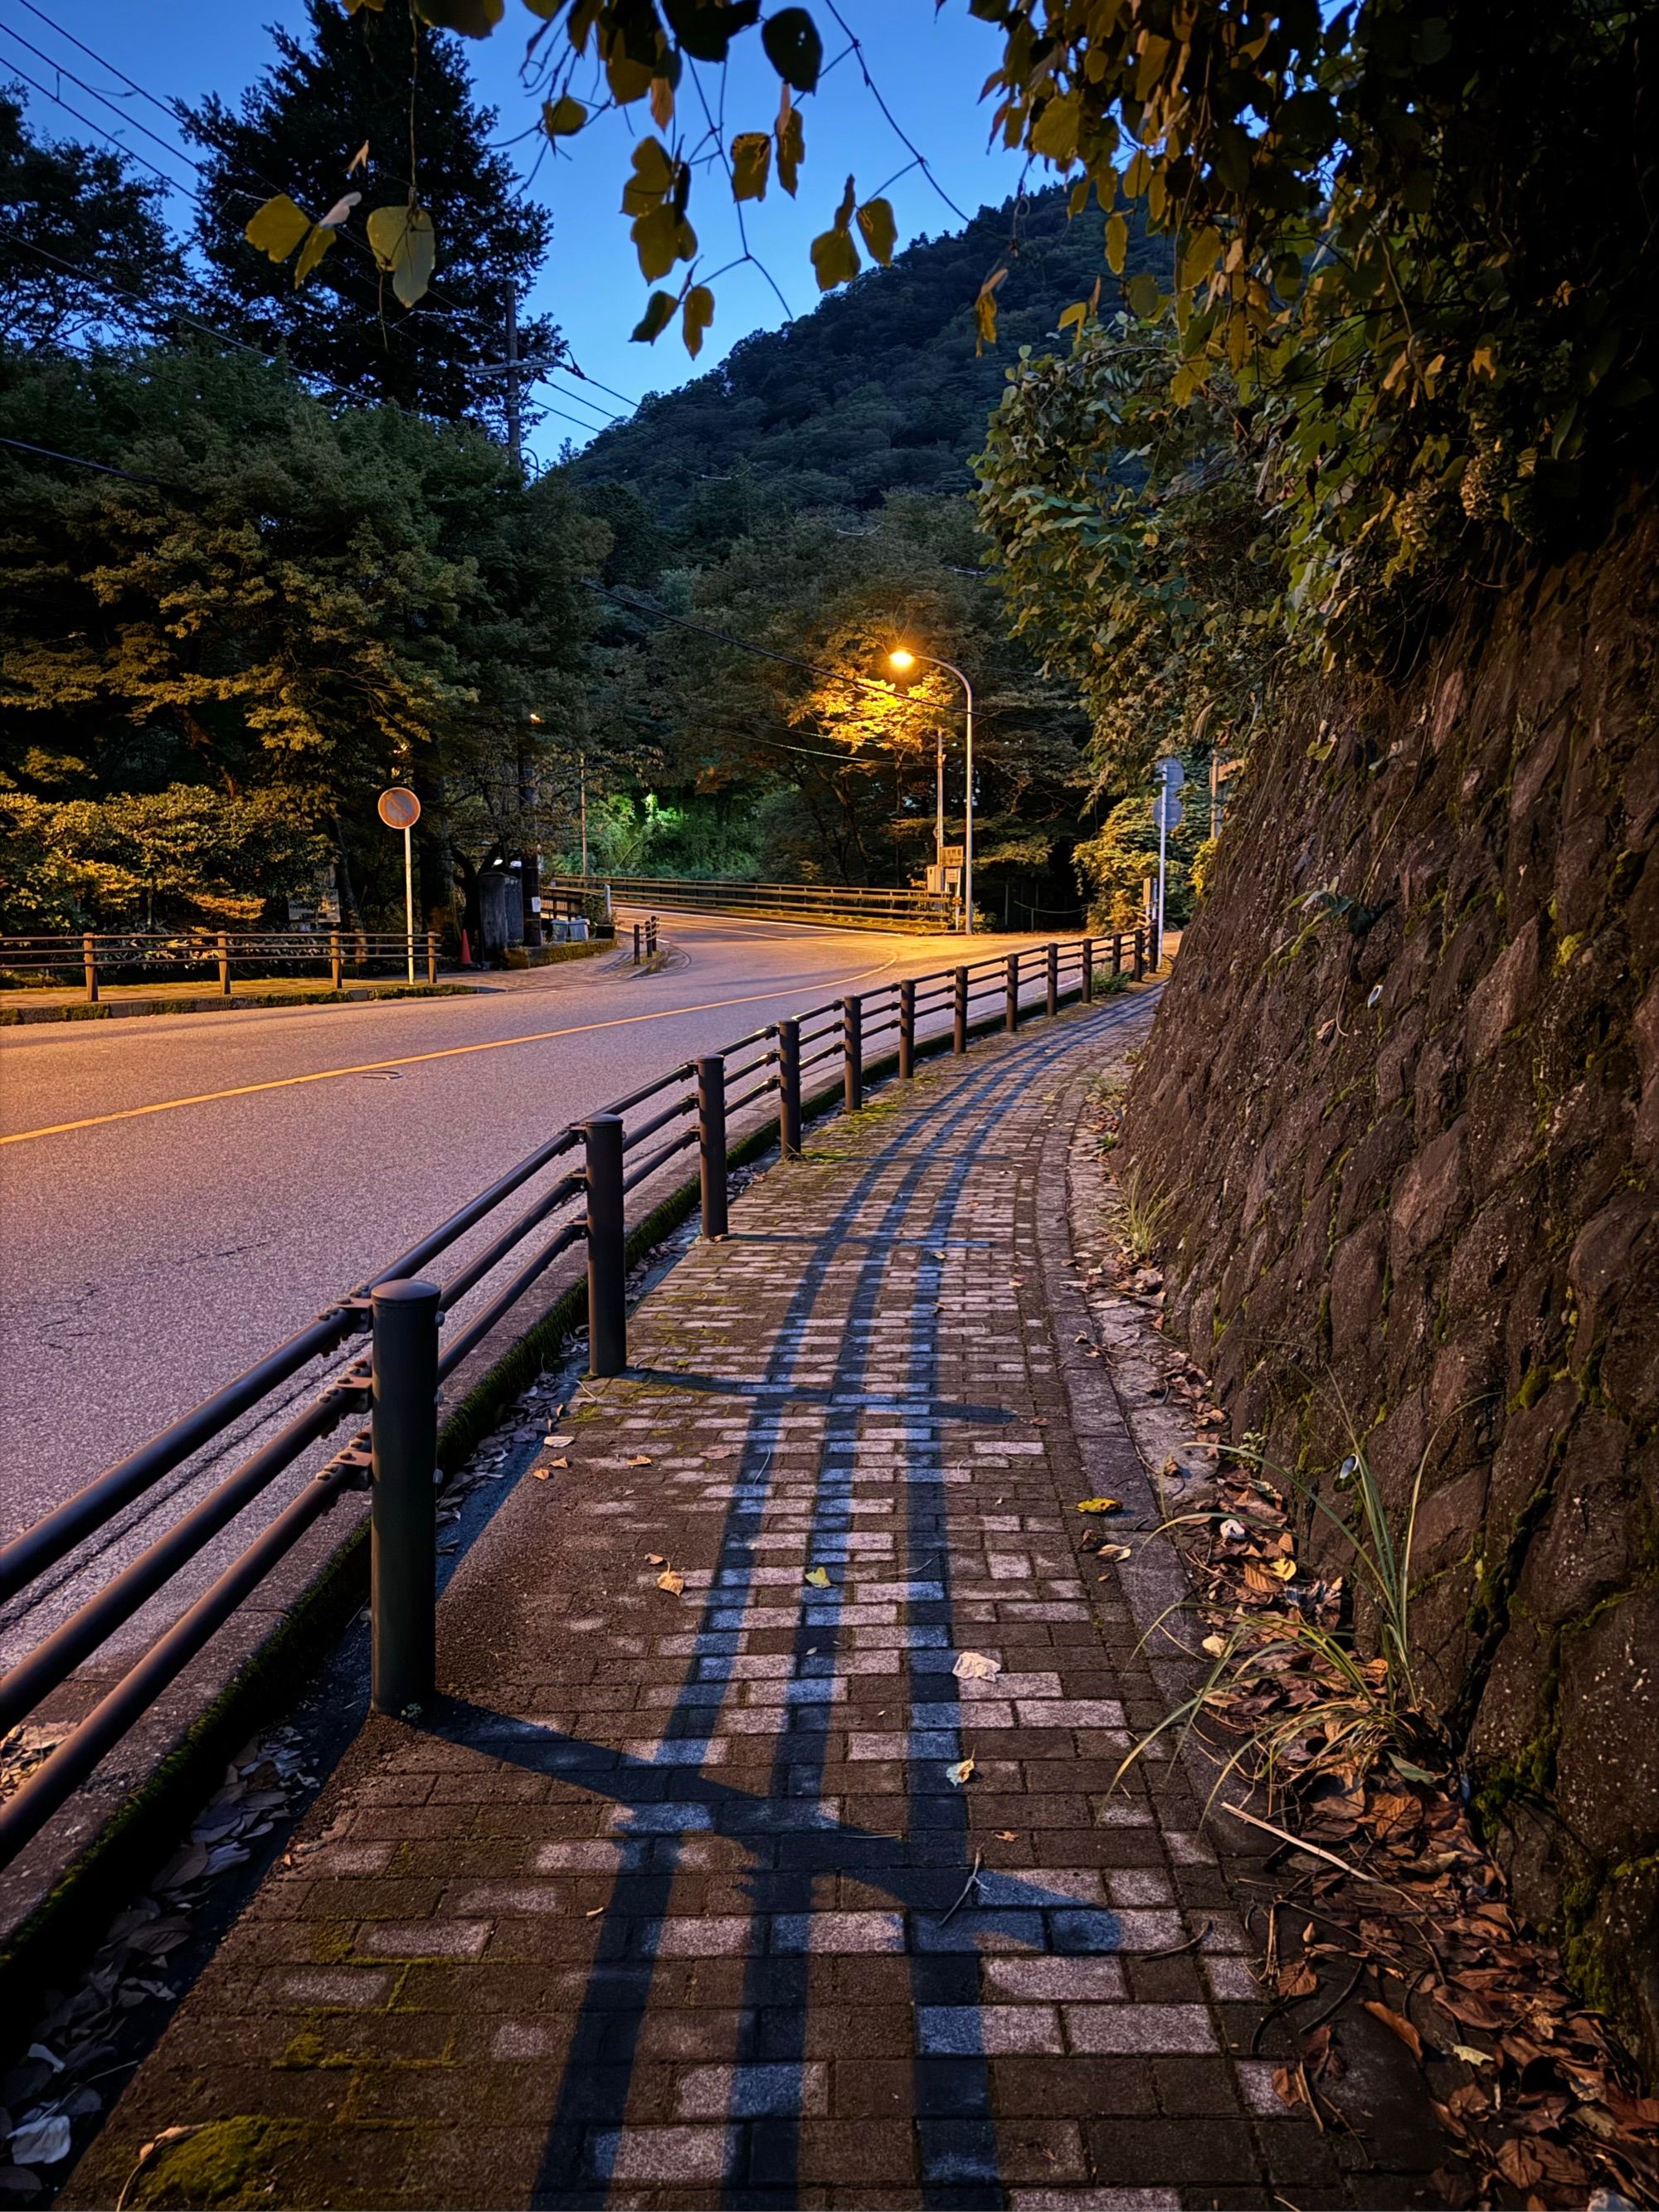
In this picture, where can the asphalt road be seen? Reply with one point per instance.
(179, 1194)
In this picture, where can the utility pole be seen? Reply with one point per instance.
(514, 422)
(583, 771)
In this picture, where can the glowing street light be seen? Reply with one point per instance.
(901, 661)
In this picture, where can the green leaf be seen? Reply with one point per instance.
(706, 28)
(658, 311)
(277, 227)
(563, 117)
(406, 247)
(1143, 295)
(752, 164)
(835, 258)
(793, 47)
(698, 314)
(319, 237)
(879, 230)
(473, 19)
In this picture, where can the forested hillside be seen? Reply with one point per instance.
(881, 388)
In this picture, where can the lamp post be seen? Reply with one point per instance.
(901, 660)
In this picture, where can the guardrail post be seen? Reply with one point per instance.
(1140, 955)
(607, 1258)
(1088, 978)
(1052, 1001)
(789, 1089)
(1117, 952)
(852, 1031)
(404, 1531)
(432, 955)
(1011, 1010)
(335, 962)
(636, 944)
(223, 946)
(959, 1012)
(907, 1045)
(90, 961)
(711, 1143)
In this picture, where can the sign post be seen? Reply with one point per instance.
(399, 808)
(1167, 812)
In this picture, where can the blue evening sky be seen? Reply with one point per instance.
(929, 68)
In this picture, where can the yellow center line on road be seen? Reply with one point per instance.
(414, 1059)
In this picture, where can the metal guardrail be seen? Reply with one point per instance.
(924, 911)
(97, 957)
(594, 1165)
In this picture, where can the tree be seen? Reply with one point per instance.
(356, 81)
(278, 599)
(81, 234)
(1134, 548)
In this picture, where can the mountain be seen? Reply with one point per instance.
(881, 388)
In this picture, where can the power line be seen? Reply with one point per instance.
(79, 461)
(177, 152)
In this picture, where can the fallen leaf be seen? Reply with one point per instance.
(819, 1577)
(1098, 1505)
(1397, 2024)
(1233, 1531)
(42, 2141)
(1215, 1645)
(1007, 1836)
(593, 1912)
(974, 1667)
(725, 1451)
(1113, 1552)
(641, 1459)
(1297, 1980)
(656, 1559)
(961, 1773)
(1470, 2056)
(671, 1581)
(1287, 2086)
(1284, 1569)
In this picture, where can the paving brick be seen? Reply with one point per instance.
(668, 1902)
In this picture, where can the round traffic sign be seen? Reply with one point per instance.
(398, 808)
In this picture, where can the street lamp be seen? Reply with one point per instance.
(901, 660)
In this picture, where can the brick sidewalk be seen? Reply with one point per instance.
(668, 1903)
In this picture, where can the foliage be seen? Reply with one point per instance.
(78, 223)
(1133, 547)
(160, 857)
(278, 597)
(1115, 860)
(836, 771)
(349, 83)
(1381, 233)
(882, 389)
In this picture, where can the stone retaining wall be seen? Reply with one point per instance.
(1405, 1169)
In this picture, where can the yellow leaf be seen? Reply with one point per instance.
(962, 1773)
(878, 229)
(1284, 1569)
(360, 159)
(1117, 243)
(563, 117)
(406, 247)
(277, 227)
(1076, 312)
(752, 164)
(652, 179)
(1215, 1645)
(1099, 1505)
(791, 142)
(985, 306)
(672, 1581)
(1113, 1552)
(662, 102)
(819, 1577)
(318, 239)
(655, 234)
(835, 258)
(699, 312)
(1054, 133)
